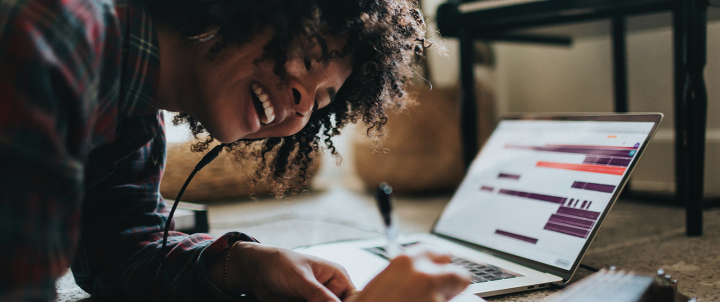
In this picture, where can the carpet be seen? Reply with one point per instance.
(639, 237)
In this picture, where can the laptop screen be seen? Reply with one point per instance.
(539, 187)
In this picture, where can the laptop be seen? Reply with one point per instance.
(529, 206)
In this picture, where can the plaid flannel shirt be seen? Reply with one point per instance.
(82, 152)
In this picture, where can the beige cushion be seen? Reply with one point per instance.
(423, 150)
(222, 179)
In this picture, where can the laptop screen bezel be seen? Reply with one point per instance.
(655, 118)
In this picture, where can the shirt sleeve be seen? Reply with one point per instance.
(123, 220)
(49, 73)
(58, 74)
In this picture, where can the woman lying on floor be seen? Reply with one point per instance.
(83, 85)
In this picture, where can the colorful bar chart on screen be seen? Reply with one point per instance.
(539, 190)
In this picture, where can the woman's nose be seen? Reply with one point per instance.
(303, 99)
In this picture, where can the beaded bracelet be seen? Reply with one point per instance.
(227, 262)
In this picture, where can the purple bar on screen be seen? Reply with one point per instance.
(511, 176)
(588, 206)
(588, 151)
(623, 162)
(583, 204)
(516, 236)
(566, 230)
(583, 223)
(602, 161)
(579, 213)
(590, 159)
(486, 188)
(593, 187)
(600, 188)
(548, 198)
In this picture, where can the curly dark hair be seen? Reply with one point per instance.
(384, 36)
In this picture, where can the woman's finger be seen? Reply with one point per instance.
(447, 280)
(340, 284)
(452, 283)
(314, 291)
(333, 276)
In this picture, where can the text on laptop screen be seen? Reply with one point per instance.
(538, 187)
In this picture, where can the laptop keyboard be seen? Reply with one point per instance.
(481, 272)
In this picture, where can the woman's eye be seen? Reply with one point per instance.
(308, 64)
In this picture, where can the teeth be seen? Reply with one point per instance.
(267, 105)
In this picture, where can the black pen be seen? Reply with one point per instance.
(385, 206)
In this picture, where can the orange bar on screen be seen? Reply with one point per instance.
(585, 168)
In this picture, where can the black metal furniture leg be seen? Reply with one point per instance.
(690, 33)
(619, 64)
(620, 83)
(468, 104)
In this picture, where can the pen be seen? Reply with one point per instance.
(385, 206)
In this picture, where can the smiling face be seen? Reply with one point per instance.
(236, 95)
(381, 38)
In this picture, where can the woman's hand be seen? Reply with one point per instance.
(421, 276)
(276, 274)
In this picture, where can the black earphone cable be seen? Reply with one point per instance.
(208, 158)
